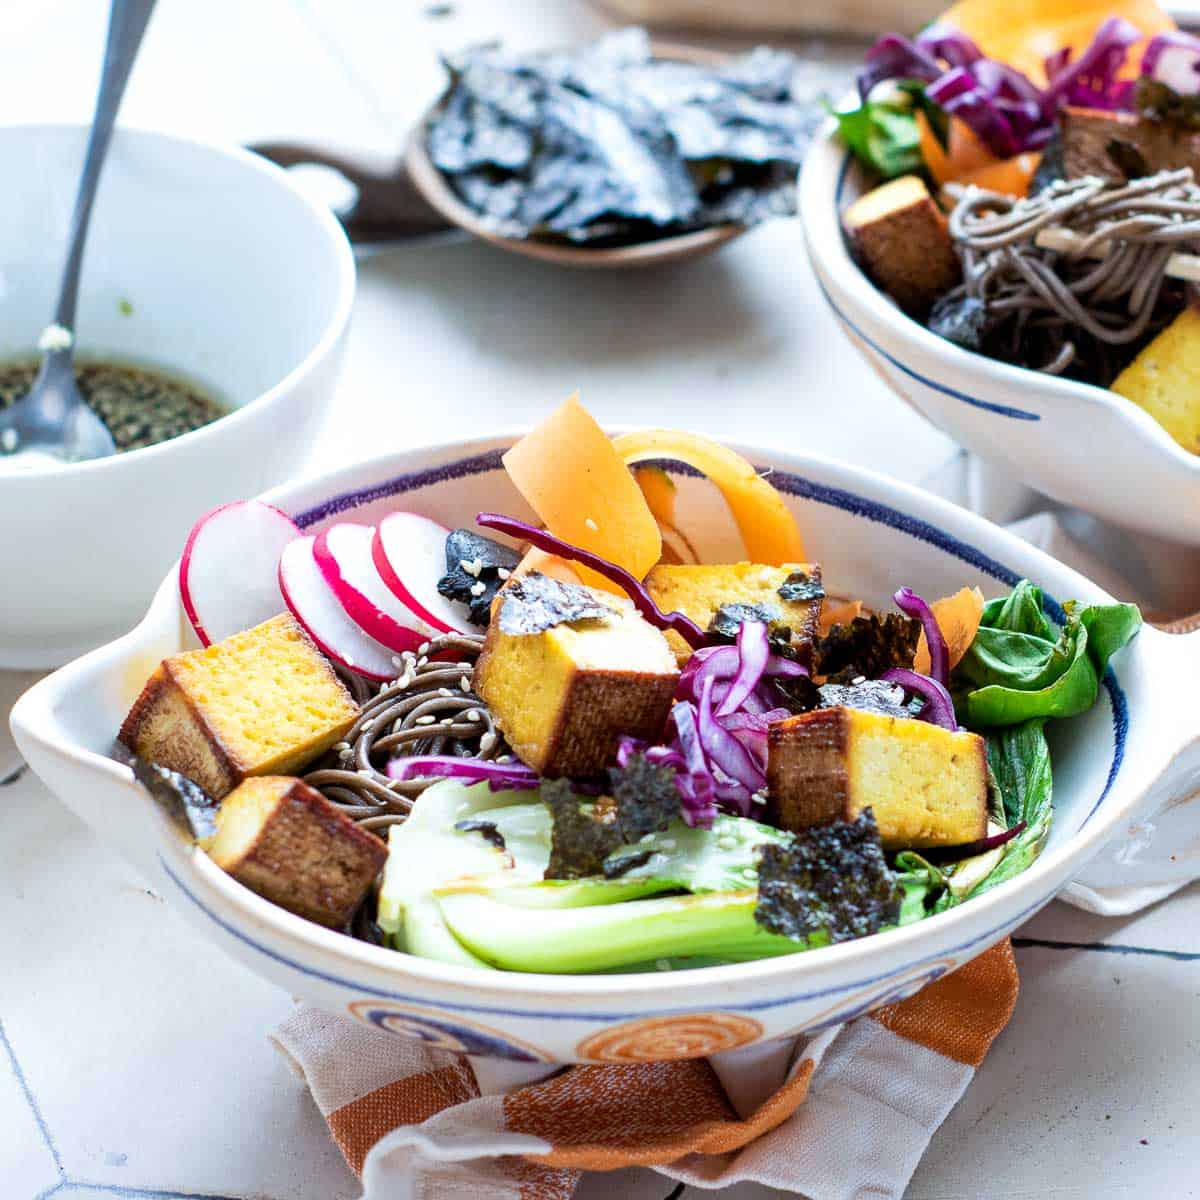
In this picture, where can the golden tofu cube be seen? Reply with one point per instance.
(284, 840)
(903, 240)
(564, 696)
(262, 702)
(698, 591)
(926, 785)
(1164, 379)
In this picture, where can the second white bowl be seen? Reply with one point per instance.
(1082, 445)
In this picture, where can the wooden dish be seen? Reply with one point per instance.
(435, 189)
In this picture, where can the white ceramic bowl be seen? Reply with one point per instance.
(1082, 445)
(233, 278)
(1136, 752)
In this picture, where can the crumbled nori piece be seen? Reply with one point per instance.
(729, 618)
(868, 646)
(487, 828)
(1051, 166)
(185, 802)
(467, 546)
(964, 320)
(580, 840)
(1161, 102)
(614, 868)
(645, 796)
(1127, 158)
(869, 695)
(800, 586)
(537, 602)
(643, 800)
(607, 145)
(800, 695)
(831, 877)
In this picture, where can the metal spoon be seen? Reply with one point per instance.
(53, 417)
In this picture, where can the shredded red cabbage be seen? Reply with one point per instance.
(754, 652)
(970, 849)
(939, 708)
(1001, 106)
(912, 605)
(1091, 80)
(1174, 59)
(500, 775)
(625, 580)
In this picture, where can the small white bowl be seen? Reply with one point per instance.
(202, 259)
(1082, 445)
(1134, 753)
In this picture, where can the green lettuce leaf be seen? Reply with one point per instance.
(1019, 757)
(1018, 668)
(884, 136)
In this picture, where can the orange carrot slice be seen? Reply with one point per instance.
(958, 619)
(768, 529)
(936, 158)
(580, 487)
(1011, 176)
(659, 489)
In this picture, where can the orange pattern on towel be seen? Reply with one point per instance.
(960, 1014)
(357, 1126)
(602, 1118)
(587, 1115)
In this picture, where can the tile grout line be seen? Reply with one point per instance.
(126, 1191)
(1106, 948)
(31, 1100)
(334, 48)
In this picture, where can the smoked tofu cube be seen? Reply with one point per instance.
(926, 785)
(903, 240)
(698, 591)
(564, 696)
(262, 702)
(284, 840)
(1164, 379)
(1123, 145)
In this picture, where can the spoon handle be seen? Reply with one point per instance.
(126, 25)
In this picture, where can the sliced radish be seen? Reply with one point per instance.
(314, 605)
(343, 553)
(229, 572)
(410, 554)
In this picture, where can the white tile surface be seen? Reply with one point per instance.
(146, 1048)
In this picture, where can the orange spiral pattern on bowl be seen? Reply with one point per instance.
(661, 1039)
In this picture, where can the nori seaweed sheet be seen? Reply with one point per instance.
(644, 799)
(537, 602)
(608, 145)
(831, 877)
(868, 646)
(185, 802)
(467, 546)
(799, 585)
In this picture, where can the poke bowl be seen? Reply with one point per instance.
(1093, 432)
(190, 246)
(1133, 752)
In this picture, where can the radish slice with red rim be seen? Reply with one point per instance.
(313, 604)
(343, 554)
(410, 554)
(228, 573)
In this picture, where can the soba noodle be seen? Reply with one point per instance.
(1109, 287)
(429, 709)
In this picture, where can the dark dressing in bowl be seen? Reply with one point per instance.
(141, 404)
